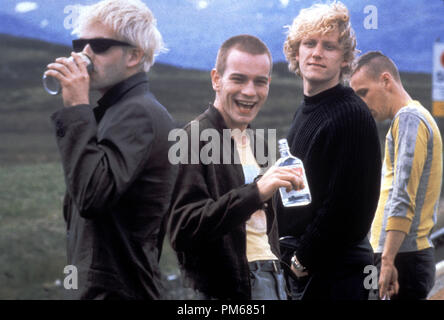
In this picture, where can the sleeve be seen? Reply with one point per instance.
(410, 136)
(98, 172)
(350, 165)
(196, 216)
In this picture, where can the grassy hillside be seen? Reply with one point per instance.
(32, 234)
(25, 107)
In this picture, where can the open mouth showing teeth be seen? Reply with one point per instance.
(245, 105)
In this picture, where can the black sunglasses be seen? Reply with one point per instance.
(98, 45)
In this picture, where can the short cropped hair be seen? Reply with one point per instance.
(376, 63)
(131, 20)
(321, 19)
(245, 43)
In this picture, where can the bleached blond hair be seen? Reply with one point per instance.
(321, 19)
(131, 20)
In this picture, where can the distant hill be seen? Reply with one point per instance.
(25, 108)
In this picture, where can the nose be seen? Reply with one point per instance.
(87, 50)
(249, 89)
(317, 50)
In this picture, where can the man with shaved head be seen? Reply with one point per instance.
(411, 180)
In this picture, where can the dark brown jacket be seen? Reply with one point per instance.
(119, 182)
(210, 206)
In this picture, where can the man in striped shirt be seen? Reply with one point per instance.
(411, 181)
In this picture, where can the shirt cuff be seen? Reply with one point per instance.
(398, 224)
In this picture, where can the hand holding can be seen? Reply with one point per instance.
(53, 86)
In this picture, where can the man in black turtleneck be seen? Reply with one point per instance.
(335, 136)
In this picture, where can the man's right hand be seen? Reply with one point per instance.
(74, 79)
(388, 280)
(277, 177)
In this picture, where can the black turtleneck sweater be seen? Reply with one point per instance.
(335, 136)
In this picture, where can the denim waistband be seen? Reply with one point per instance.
(265, 265)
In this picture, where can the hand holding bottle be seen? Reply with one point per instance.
(279, 177)
(291, 198)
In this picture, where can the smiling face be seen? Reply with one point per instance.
(320, 58)
(243, 87)
(373, 92)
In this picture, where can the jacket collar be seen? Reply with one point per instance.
(113, 95)
(117, 91)
(216, 118)
(219, 124)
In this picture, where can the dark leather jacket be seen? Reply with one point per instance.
(210, 206)
(119, 182)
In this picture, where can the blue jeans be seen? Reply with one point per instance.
(267, 280)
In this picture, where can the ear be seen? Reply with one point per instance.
(215, 80)
(134, 57)
(386, 80)
(296, 55)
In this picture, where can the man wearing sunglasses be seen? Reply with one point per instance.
(114, 156)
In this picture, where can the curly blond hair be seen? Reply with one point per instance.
(321, 19)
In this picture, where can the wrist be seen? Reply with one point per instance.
(74, 103)
(262, 194)
(387, 259)
(296, 264)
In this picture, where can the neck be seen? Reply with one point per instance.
(129, 73)
(401, 100)
(312, 88)
(227, 120)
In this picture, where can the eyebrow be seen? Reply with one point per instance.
(241, 75)
(324, 42)
(262, 78)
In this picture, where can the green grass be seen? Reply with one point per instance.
(32, 234)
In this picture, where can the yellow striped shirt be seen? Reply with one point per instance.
(411, 179)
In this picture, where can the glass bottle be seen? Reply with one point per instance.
(294, 197)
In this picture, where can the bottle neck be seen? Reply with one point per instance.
(284, 153)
